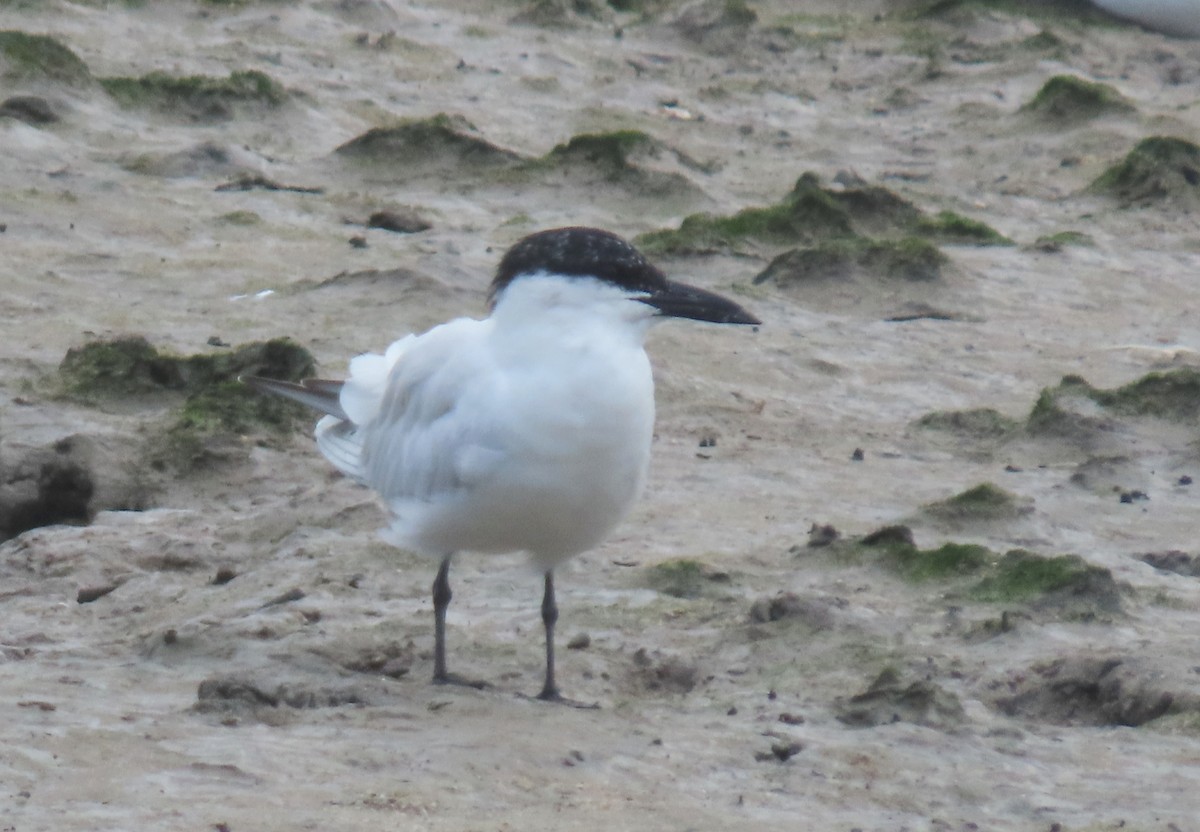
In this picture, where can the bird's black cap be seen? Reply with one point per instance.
(592, 252)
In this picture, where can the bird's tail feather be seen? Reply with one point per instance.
(319, 394)
(341, 444)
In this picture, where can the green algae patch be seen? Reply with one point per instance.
(439, 141)
(908, 258)
(949, 227)
(1054, 243)
(626, 158)
(26, 57)
(1069, 99)
(216, 408)
(1021, 575)
(1065, 586)
(983, 502)
(977, 423)
(1158, 170)
(117, 367)
(810, 214)
(200, 97)
(949, 560)
(682, 578)
(610, 151)
(1173, 395)
(130, 365)
(240, 218)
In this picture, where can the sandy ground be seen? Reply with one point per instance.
(177, 702)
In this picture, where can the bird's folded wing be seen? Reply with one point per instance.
(433, 432)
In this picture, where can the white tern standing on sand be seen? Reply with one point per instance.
(528, 430)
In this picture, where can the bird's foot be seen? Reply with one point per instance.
(554, 697)
(460, 681)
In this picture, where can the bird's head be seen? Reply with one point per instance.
(614, 271)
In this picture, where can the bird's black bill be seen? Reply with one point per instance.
(678, 300)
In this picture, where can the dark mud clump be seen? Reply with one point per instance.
(399, 221)
(31, 58)
(425, 146)
(1097, 691)
(197, 97)
(816, 613)
(889, 699)
(1068, 99)
(1158, 170)
(30, 109)
(984, 502)
(68, 482)
(1180, 563)
(718, 26)
(223, 694)
(664, 673)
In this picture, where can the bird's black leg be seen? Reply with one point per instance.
(441, 600)
(550, 691)
(549, 619)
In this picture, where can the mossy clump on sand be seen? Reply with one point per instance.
(1069, 99)
(977, 423)
(811, 213)
(215, 403)
(1172, 395)
(983, 502)
(682, 578)
(118, 367)
(439, 140)
(618, 157)
(949, 227)
(1021, 575)
(947, 561)
(200, 97)
(26, 57)
(1066, 584)
(1158, 170)
(130, 365)
(609, 151)
(1054, 243)
(907, 258)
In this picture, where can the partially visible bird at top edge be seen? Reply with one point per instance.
(525, 431)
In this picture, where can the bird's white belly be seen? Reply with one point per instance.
(569, 460)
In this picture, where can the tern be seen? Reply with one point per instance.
(525, 431)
